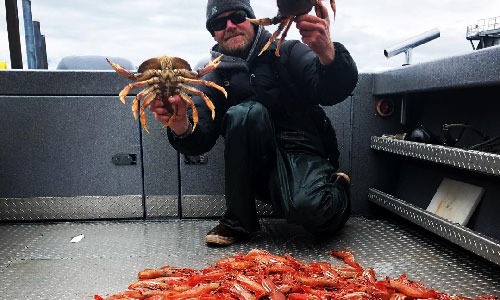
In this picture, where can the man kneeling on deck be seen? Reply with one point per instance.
(279, 146)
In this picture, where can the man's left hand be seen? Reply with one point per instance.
(315, 33)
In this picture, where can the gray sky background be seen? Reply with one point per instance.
(141, 29)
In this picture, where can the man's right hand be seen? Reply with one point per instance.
(181, 123)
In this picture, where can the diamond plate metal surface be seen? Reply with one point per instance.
(13, 240)
(158, 206)
(203, 206)
(114, 207)
(209, 206)
(483, 162)
(70, 208)
(479, 244)
(43, 264)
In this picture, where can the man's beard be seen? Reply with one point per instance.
(239, 50)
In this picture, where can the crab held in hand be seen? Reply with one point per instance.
(165, 76)
(287, 11)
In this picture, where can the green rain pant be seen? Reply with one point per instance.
(301, 187)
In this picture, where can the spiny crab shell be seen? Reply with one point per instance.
(165, 90)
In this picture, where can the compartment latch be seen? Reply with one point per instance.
(124, 159)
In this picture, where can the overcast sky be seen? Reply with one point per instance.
(140, 29)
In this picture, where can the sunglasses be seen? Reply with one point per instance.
(236, 18)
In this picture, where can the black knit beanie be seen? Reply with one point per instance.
(216, 7)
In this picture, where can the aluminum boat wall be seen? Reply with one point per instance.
(60, 130)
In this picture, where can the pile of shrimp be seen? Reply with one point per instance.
(259, 274)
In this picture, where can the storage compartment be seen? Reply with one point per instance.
(456, 94)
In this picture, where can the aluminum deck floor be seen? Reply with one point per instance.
(37, 261)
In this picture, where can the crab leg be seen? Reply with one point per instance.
(209, 67)
(334, 8)
(266, 21)
(208, 102)
(149, 97)
(146, 75)
(135, 85)
(172, 118)
(142, 114)
(319, 11)
(138, 77)
(121, 70)
(205, 82)
(135, 104)
(274, 36)
(142, 118)
(289, 22)
(189, 101)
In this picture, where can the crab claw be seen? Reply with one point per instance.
(121, 70)
(210, 66)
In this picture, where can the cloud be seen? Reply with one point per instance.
(138, 30)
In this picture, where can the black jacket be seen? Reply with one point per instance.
(291, 86)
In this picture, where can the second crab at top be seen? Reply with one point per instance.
(287, 11)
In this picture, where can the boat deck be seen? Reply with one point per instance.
(38, 261)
